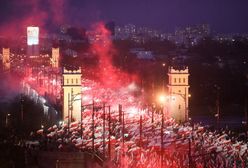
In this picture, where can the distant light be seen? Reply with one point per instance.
(60, 122)
(33, 35)
(216, 115)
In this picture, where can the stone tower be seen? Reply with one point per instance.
(55, 58)
(178, 89)
(72, 97)
(6, 59)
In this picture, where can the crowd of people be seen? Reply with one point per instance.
(140, 141)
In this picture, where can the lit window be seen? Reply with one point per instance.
(179, 80)
(183, 80)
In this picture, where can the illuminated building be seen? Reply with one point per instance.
(178, 88)
(55, 57)
(6, 58)
(137, 34)
(33, 42)
(191, 35)
(71, 94)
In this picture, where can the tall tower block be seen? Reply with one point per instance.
(72, 94)
(33, 42)
(55, 57)
(6, 59)
(178, 89)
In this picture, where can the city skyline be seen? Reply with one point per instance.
(223, 16)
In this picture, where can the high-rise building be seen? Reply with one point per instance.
(178, 89)
(191, 35)
(71, 95)
(33, 42)
(6, 58)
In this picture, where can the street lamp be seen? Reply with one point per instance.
(141, 122)
(161, 101)
(163, 66)
(141, 127)
(109, 136)
(81, 118)
(22, 108)
(217, 115)
(93, 126)
(95, 107)
(7, 119)
(153, 108)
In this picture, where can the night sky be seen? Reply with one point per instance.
(224, 16)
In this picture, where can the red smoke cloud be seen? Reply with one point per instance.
(17, 27)
(109, 75)
(33, 13)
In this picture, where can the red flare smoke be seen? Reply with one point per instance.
(108, 75)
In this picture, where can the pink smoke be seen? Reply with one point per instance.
(36, 15)
(109, 75)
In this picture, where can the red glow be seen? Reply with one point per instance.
(34, 15)
(109, 76)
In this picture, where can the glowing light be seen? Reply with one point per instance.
(161, 99)
(85, 98)
(61, 123)
(42, 100)
(132, 87)
(54, 82)
(133, 111)
(33, 35)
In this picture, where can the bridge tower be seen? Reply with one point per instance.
(55, 58)
(6, 59)
(72, 98)
(178, 89)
